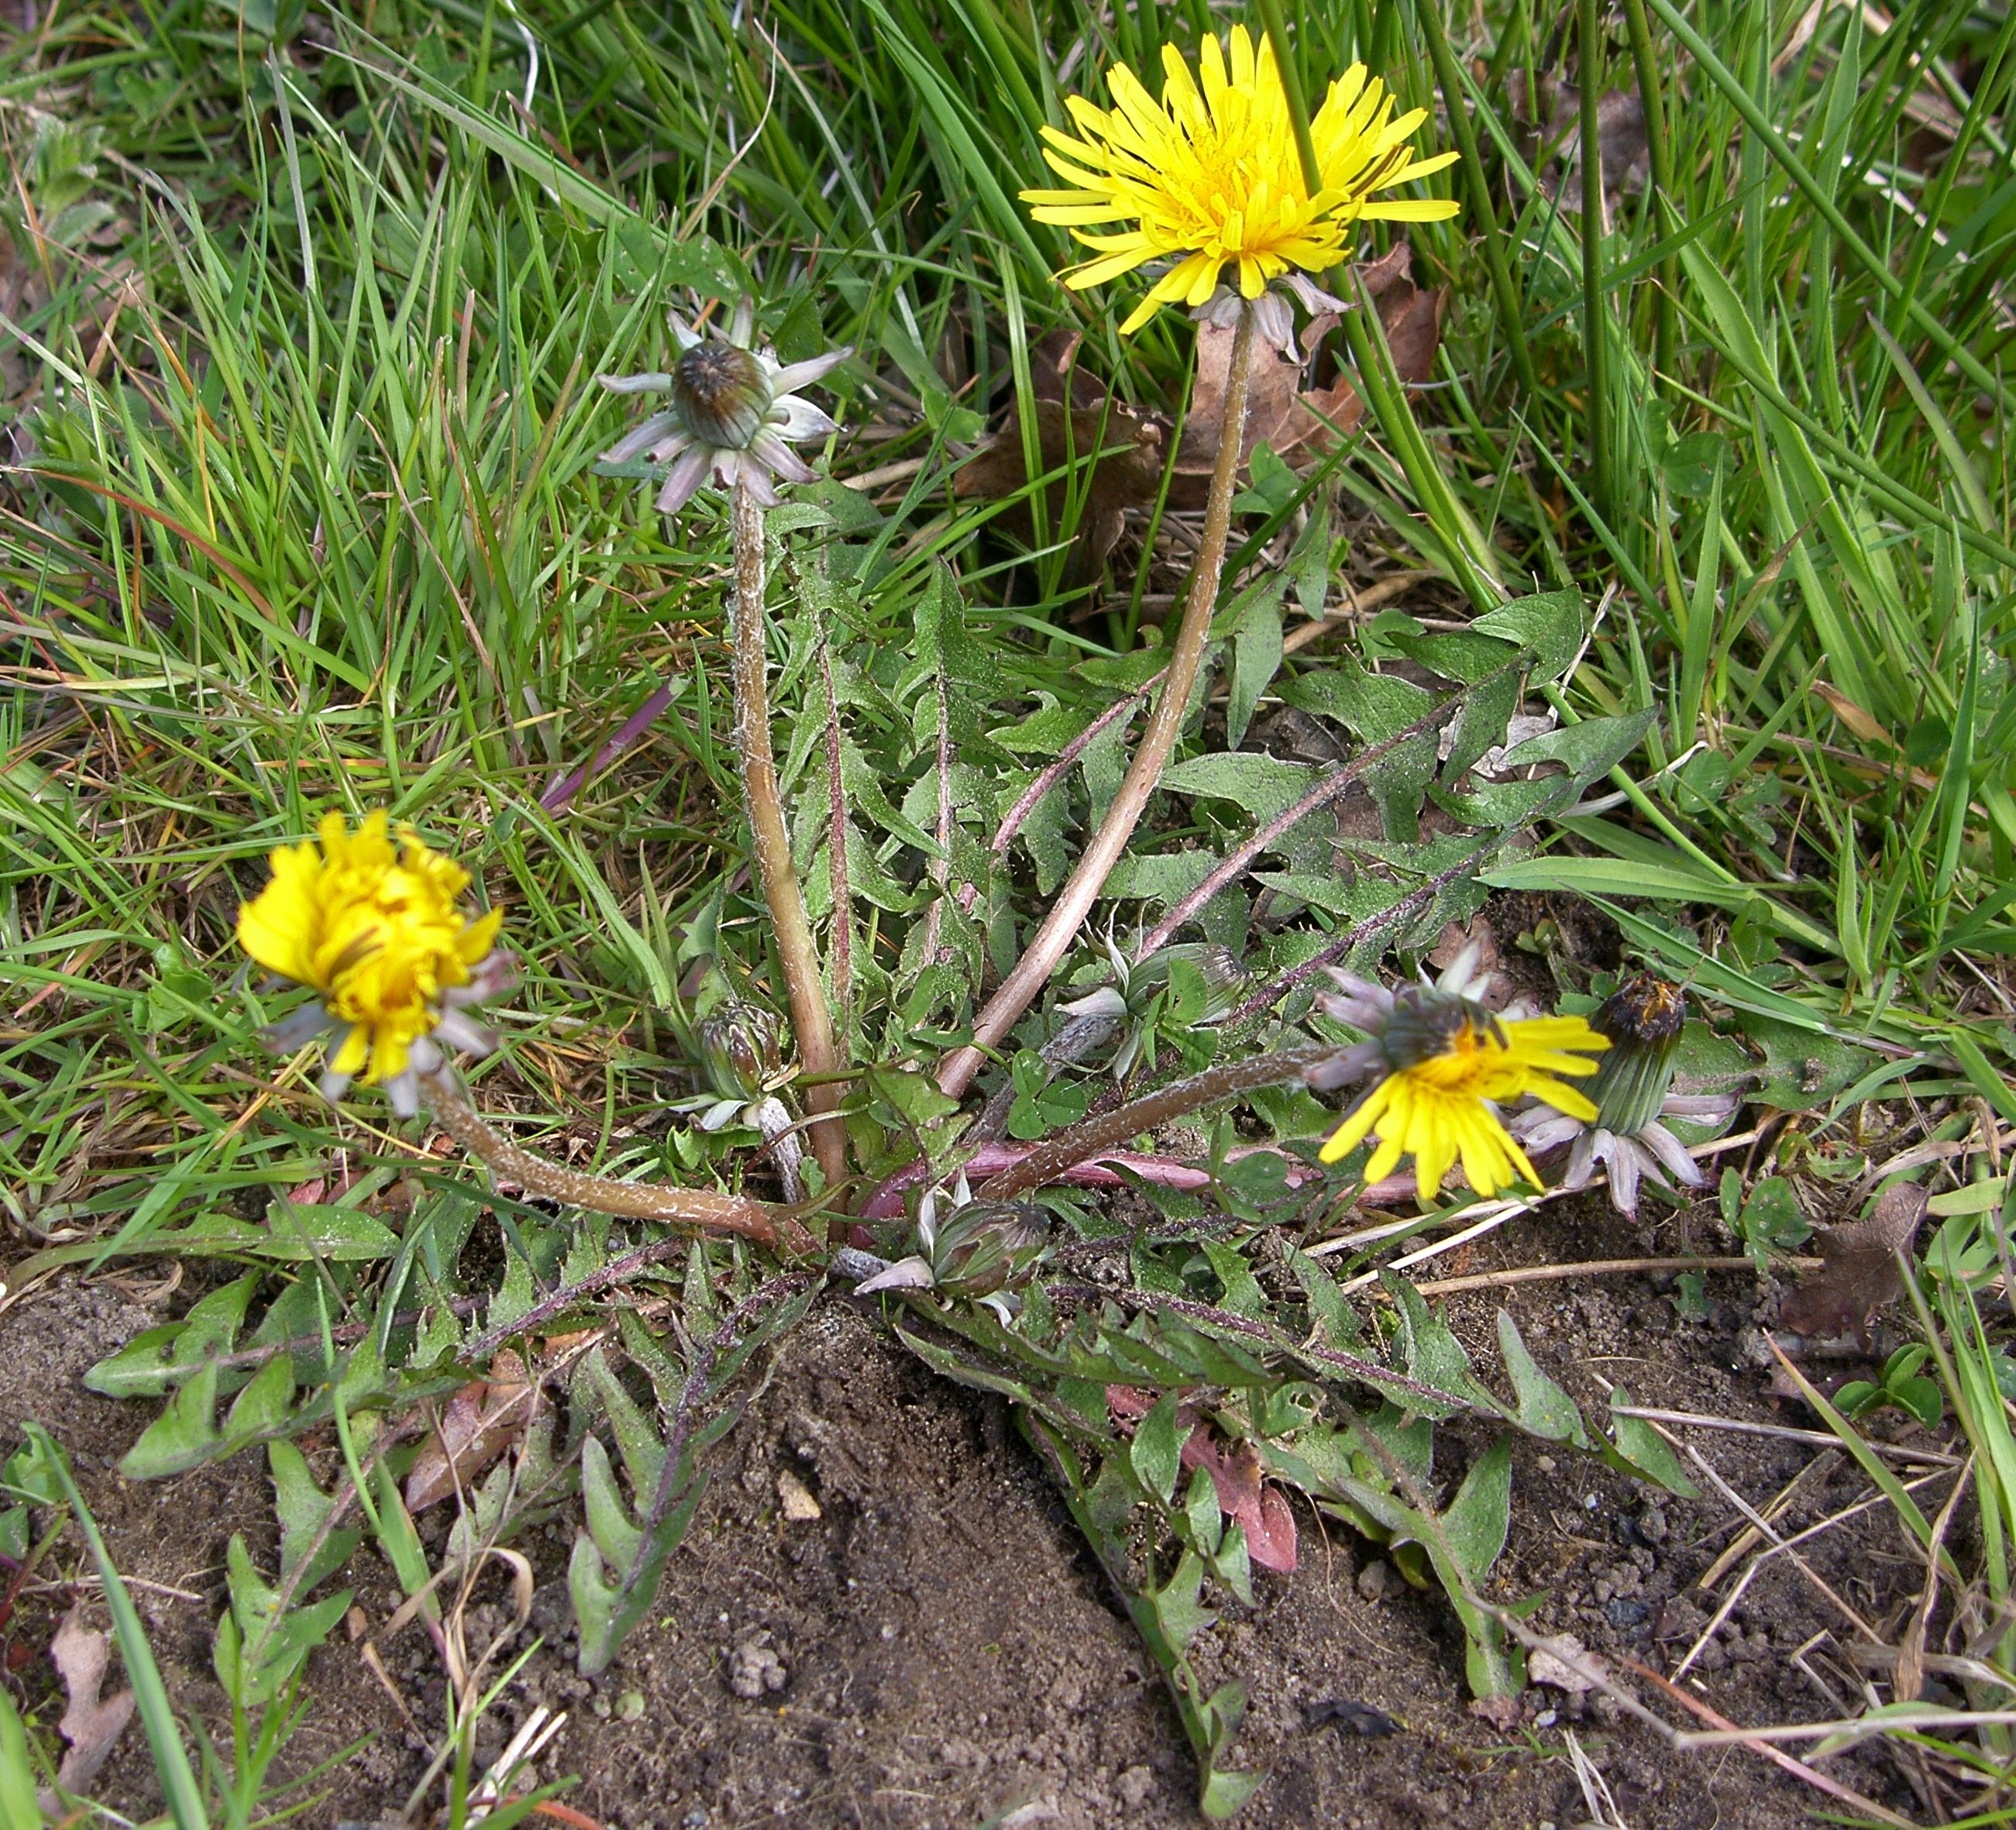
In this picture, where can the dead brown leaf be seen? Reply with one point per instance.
(1300, 425)
(1620, 139)
(1076, 416)
(1864, 725)
(1860, 1275)
(1501, 1713)
(484, 1420)
(1562, 1662)
(1262, 1511)
(92, 1727)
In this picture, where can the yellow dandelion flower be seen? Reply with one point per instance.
(1210, 175)
(371, 921)
(1449, 1065)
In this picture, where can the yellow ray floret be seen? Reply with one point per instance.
(1442, 1111)
(1210, 175)
(370, 919)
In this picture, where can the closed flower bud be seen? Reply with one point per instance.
(722, 393)
(1224, 977)
(986, 1245)
(738, 1047)
(1643, 1018)
(1634, 1098)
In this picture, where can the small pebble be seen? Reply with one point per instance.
(800, 1507)
(1135, 1787)
(754, 1669)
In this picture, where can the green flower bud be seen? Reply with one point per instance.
(986, 1245)
(1643, 1018)
(1224, 978)
(738, 1048)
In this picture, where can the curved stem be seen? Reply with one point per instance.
(1326, 791)
(602, 1194)
(1053, 772)
(1110, 1130)
(1405, 910)
(1053, 939)
(770, 843)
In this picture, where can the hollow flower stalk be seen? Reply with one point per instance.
(1446, 1066)
(735, 412)
(371, 921)
(1208, 176)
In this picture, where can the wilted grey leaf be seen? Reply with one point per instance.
(81, 1655)
(1861, 1273)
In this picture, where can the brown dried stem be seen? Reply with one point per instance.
(1053, 939)
(1320, 796)
(1109, 1130)
(602, 1195)
(770, 843)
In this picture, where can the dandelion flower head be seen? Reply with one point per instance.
(734, 412)
(1209, 175)
(1448, 1066)
(371, 921)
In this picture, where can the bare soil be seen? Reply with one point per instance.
(935, 1649)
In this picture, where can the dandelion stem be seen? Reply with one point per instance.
(604, 1195)
(1110, 1130)
(770, 842)
(1032, 972)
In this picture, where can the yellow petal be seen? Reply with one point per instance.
(1423, 168)
(1384, 1161)
(1202, 272)
(1076, 215)
(1243, 65)
(1358, 1122)
(355, 1052)
(389, 1055)
(1563, 1098)
(1106, 266)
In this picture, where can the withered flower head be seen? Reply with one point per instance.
(735, 412)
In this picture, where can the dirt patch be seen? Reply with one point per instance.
(934, 1649)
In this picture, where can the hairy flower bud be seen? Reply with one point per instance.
(985, 1245)
(1633, 1094)
(1219, 967)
